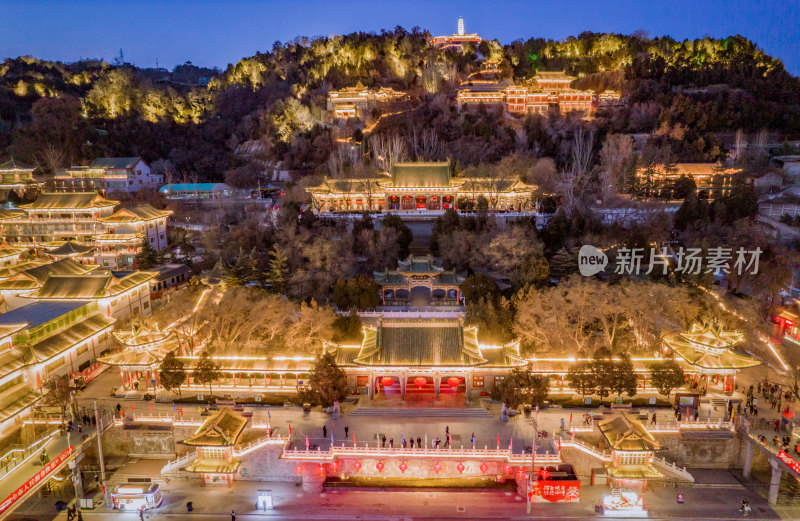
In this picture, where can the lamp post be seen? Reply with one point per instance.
(535, 425)
(99, 429)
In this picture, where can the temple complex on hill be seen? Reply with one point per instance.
(713, 180)
(358, 101)
(420, 187)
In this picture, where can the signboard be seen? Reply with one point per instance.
(554, 491)
(35, 480)
(794, 465)
(652, 400)
(587, 401)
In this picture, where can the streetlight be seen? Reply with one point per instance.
(535, 425)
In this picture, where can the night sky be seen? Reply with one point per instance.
(213, 33)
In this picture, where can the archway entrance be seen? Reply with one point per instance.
(420, 296)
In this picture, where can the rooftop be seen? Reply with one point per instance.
(115, 163)
(427, 174)
(219, 430)
(626, 433)
(38, 313)
(69, 201)
(144, 212)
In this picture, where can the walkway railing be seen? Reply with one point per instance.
(689, 425)
(176, 464)
(261, 442)
(388, 452)
(673, 468)
(585, 447)
(16, 456)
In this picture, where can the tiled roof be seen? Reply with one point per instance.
(14, 358)
(6, 250)
(142, 348)
(38, 313)
(167, 271)
(18, 402)
(61, 267)
(9, 271)
(11, 213)
(116, 163)
(357, 186)
(144, 212)
(13, 164)
(220, 430)
(419, 344)
(73, 201)
(57, 344)
(216, 466)
(625, 432)
(421, 174)
(67, 287)
(70, 248)
(709, 347)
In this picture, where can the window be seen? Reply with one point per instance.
(477, 382)
(82, 350)
(52, 367)
(146, 305)
(633, 458)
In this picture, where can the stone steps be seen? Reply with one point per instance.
(421, 412)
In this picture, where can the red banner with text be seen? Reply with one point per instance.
(555, 491)
(35, 480)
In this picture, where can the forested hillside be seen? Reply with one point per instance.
(53, 114)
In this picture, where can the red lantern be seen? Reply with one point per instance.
(387, 381)
(460, 468)
(298, 469)
(357, 466)
(437, 467)
(484, 468)
(420, 381)
(403, 467)
(379, 466)
(453, 382)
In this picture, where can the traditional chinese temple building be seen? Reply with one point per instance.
(88, 220)
(215, 440)
(358, 101)
(16, 177)
(712, 180)
(426, 355)
(709, 352)
(25, 278)
(420, 187)
(422, 277)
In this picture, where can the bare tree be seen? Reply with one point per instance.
(50, 159)
(575, 183)
(615, 154)
(388, 149)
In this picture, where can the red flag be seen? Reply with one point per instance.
(354, 438)
(307, 445)
(290, 429)
(559, 444)
(131, 407)
(151, 406)
(570, 417)
(181, 408)
(498, 442)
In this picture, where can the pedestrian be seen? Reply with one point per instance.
(777, 425)
(419, 442)
(696, 414)
(119, 408)
(346, 429)
(141, 513)
(233, 515)
(779, 405)
(447, 430)
(473, 441)
(745, 508)
(80, 516)
(738, 407)
(759, 387)
(653, 419)
(562, 424)
(391, 443)
(404, 442)
(383, 441)
(411, 440)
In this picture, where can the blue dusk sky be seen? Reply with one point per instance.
(215, 33)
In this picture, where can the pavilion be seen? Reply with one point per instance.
(215, 440)
(141, 352)
(419, 275)
(420, 355)
(420, 187)
(709, 352)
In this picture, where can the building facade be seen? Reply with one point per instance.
(420, 280)
(712, 180)
(109, 174)
(88, 220)
(457, 40)
(358, 101)
(16, 177)
(421, 187)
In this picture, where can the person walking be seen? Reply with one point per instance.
(411, 441)
(383, 441)
(233, 515)
(324, 431)
(419, 442)
(141, 513)
(562, 424)
(653, 419)
(391, 443)
(346, 430)
(473, 441)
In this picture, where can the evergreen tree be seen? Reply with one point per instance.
(624, 380)
(255, 273)
(148, 257)
(278, 274)
(171, 373)
(206, 371)
(237, 274)
(666, 376)
(563, 264)
(328, 381)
